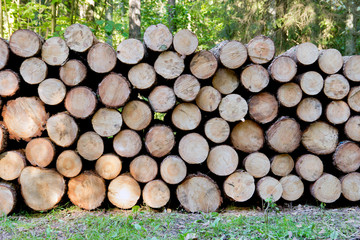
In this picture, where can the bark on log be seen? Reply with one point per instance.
(173, 169)
(159, 140)
(90, 146)
(80, 102)
(62, 129)
(162, 99)
(305, 53)
(336, 87)
(225, 81)
(25, 43)
(79, 38)
(169, 65)
(124, 192)
(350, 186)
(269, 187)
(352, 128)
(9, 83)
(55, 51)
(353, 99)
(33, 70)
(239, 186)
(311, 82)
(247, 136)
(186, 116)
(351, 68)
(142, 76)
(217, 130)
(52, 91)
(347, 157)
(309, 167)
(337, 112)
(289, 94)
(193, 148)
(11, 164)
(73, 72)
(326, 189)
(233, 108)
(114, 90)
(185, 42)
(107, 122)
(158, 38)
(203, 65)
(282, 69)
(222, 160)
(186, 87)
(293, 187)
(3, 138)
(233, 54)
(69, 164)
(127, 143)
(309, 109)
(330, 61)
(261, 49)
(282, 165)
(108, 166)
(257, 164)
(131, 51)
(101, 58)
(263, 107)
(156, 194)
(7, 198)
(254, 78)
(208, 99)
(137, 115)
(4, 53)
(143, 169)
(40, 152)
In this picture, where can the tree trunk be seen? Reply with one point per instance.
(107, 122)
(143, 168)
(142, 76)
(80, 102)
(79, 38)
(9, 83)
(254, 78)
(11, 164)
(173, 169)
(121, 184)
(289, 94)
(53, 17)
(186, 87)
(101, 58)
(193, 148)
(158, 38)
(25, 43)
(73, 72)
(208, 99)
(159, 140)
(225, 81)
(127, 143)
(40, 152)
(33, 70)
(134, 19)
(257, 164)
(239, 186)
(217, 130)
(90, 146)
(309, 109)
(185, 42)
(330, 61)
(311, 82)
(4, 49)
(247, 136)
(171, 15)
(156, 194)
(293, 187)
(7, 195)
(3, 138)
(69, 164)
(52, 91)
(269, 187)
(223, 160)
(162, 99)
(282, 165)
(131, 51)
(326, 189)
(62, 129)
(108, 166)
(347, 157)
(55, 51)
(186, 116)
(109, 18)
(263, 107)
(309, 167)
(137, 115)
(351, 27)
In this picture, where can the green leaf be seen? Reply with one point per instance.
(108, 28)
(118, 27)
(99, 22)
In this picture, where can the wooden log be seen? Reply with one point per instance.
(80, 102)
(101, 58)
(261, 49)
(222, 160)
(159, 140)
(282, 69)
(69, 164)
(293, 187)
(41, 188)
(269, 188)
(33, 70)
(254, 78)
(173, 169)
(326, 189)
(351, 68)
(7, 198)
(311, 82)
(131, 51)
(208, 99)
(142, 76)
(353, 99)
(90, 146)
(217, 130)
(305, 53)
(108, 166)
(282, 165)
(79, 37)
(186, 116)
(52, 91)
(9, 83)
(239, 186)
(337, 112)
(309, 109)
(3, 138)
(73, 72)
(257, 164)
(127, 143)
(169, 65)
(114, 90)
(284, 135)
(158, 38)
(330, 61)
(247, 136)
(11, 164)
(199, 193)
(336, 87)
(87, 190)
(263, 107)
(62, 129)
(350, 186)
(137, 115)
(107, 122)
(186, 87)
(185, 42)
(320, 138)
(143, 168)
(233, 108)
(309, 167)
(24, 118)
(225, 81)
(54, 51)
(162, 98)
(289, 94)
(193, 148)
(347, 157)
(25, 43)
(40, 152)
(156, 194)
(203, 65)
(233, 54)
(124, 192)
(352, 128)
(4, 53)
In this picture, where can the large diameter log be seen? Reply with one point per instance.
(33, 70)
(90, 146)
(169, 65)
(158, 38)
(186, 116)
(222, 160)
(311, 82)
(11, 164)
(143, 168)
(80, 102)
(130, 51)
(351, 68)
(159, 140)
(55, 51)
(217, 130)
(261, 49)
(156, 194)
(9, 83)
(336, 87)
(7, 198)
(284, 135)
(247, 136)
(73, 72)
(233, 54)
(127, 143)
(352, 128)
(263, 107)
(108, 166)
(305, 53)
(40, 152)
(173, 169)
(347, 157)
(254, 78)
(289, 94)
(233, 108)
(107, 122)
(283, 69)
(62, 129)
(330, 61)
(25, 43)
(185, 42)
(239, 186)
(208, 99)
(114, 90)
(162, 99)
(199, 193)
(320, 138)
(41, 188)
(353, 99)
(24, 118)
(87, 190)
(203, 65)
(225, 81)
(52, 91)
(309, 109)
(79, 38)
(337, 112)
(101, 58)
(193, 148)
(309, 167)
(124, 192)
(142, 76)
(69, 164)
(137, 115)
(326, 189)
(269, 187)
(257, 164)
(293, 187)
(282, 165)
(4, 53)
(350, 186)
(186, 87)
(3, 137)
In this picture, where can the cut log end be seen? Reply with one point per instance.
(330, 61)
(159, 140)
(233, 54)
(158, 38)
(52, 91)
(186, 116)
(193, 148)
(108, 166)
(222, 160)
(263, 107)
(156, 194)
(137, 115)
(283, 69)
(247, 136)
(307, 53)
(350, 186)
(55, 51)
(79, 38)
(186, 87)
(101, 58)
(347, 157)
(233, 108)
(289, 94)
(185, 42)
(107, 122)
(203, 65)
(4, 53)
(351, 68)
(80, 102)
(142, 76)
(293, 187)
(309, 167)
(208, 99)
(353, 99)
(62, 129)
(255, 78)
(124, 192)
(336, 87)
(114, 90)
(162, 99)
(261, 50)
(337, 112)
(69, 164)
(257, 164)
(239, 186)
(309, 109)
(9, 83)
(282, 165)
(33, 70)
(73, 72)
(169, 65)
(311, 82)
(143, 168)
(7, 198)
(11, 164)
(225, 81)
(352, 128)
(173, 169)
(90, 146)
(130, 51)
(269, 188)
(326, 189)
(217, 130)
(25, 43)
(40, 152)
(127, 143)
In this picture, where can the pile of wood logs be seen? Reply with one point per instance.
(159, 123)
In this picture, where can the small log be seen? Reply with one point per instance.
(269, 187)
(347, 157)
(25, 43)
(186, 116)
(143, 169)
(137, 115)
(156, 194)
(233, 108)
(69, 164)
(52, 91)
(208, 99)
(3, 138)
(261, 49)
(33, 70)
(55, 51)
(309, 109)
(203, 65)
(304, 54)
(222, 160)
(101, 58)
(142, 76)
(320, 138)
(311, 82)
(263, 107)
(7, 198)
(90, 146)
(282, 165)
(257, 164)
(282, 69)
(330, 61)
(350, 186)
(108, 166)
(351, 68)
(40, 152)
(217, 130)
(336, 87)
(127, 143)
(254, 78)
(186, 87)
(4, 53)
(173, 169)
(199, 193)
(87, 190)
(225, 81)
(62, 129)
(326, 189)
(124, 192)
(159, 140)
(352, 128)
(353, 99)
(185, 42)
(41, 188)
(11, 164)
(80, 102)
(169, 65)
(24, 118)
(284, 135)
(107, 122)
(337, 112)
(239, 186)
(309, 167)
(162, 99)
(131, 51)
(293, 187)
(9, 83)
(233, 54)
(79, 37)
(114, 90)
(193, 148)
(73, 72)
(247, 136)
(289, 94)
(158, 38)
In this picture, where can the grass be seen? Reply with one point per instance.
(302, 222)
